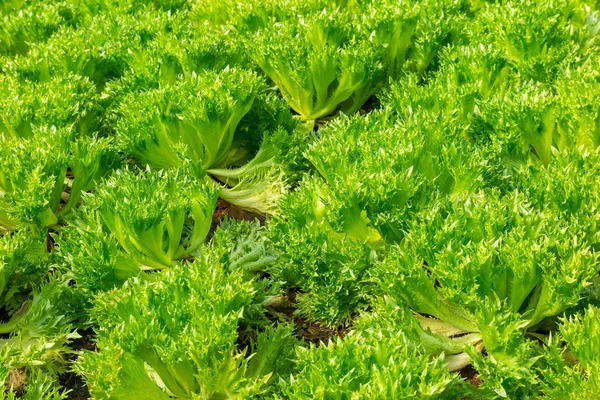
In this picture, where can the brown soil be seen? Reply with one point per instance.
(470, 375)
(75, 385)
(70, 380)
(85, 342)
(316, 333)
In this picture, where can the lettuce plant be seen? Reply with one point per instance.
(510, 120)
(439, 24)
(319, 64)
(199, 126)
(374, 361)
(35, 22)
(578, 116)
(40, 331)
(91, 256)
(35, 330)
(571, 371)
(261, 183)
(182, 51)
(377, 172)
(38, 385)
(157, 217)
(330, 57)
(243, 245)
(373, 176)
(326, 267)
(473, 75)
(393, 25)
(60, 102)
(536, 37)
(218, 126)
(23, 263)
(250, 16)
(102, 50)
(43, 177)
(526, 117)
(174, 337)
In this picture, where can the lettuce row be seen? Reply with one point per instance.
(484, 151)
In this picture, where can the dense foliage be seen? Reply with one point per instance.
(299, 199)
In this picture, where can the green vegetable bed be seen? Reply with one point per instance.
(299, 199)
